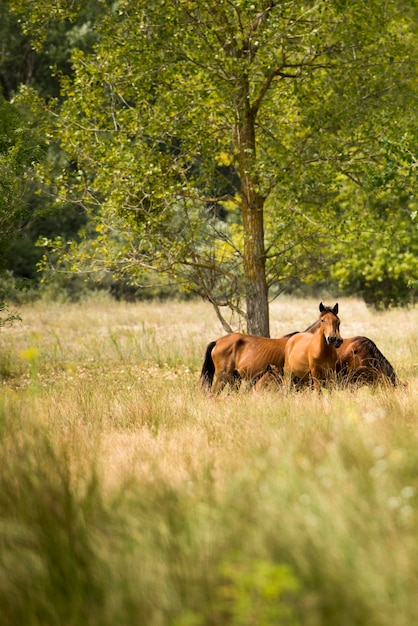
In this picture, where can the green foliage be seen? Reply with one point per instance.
(380, 260)
(53, 30)
(20, 147)
(36, 56)
(143, 105)
(28, 209)
(382, 269)
(23, 212)
(185, 117)
(256, 594)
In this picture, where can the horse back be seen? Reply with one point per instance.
(258, 353)
(248, 354)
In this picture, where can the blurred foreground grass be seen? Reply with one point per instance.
(127, 497)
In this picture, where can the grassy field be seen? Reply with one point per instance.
(129, 498)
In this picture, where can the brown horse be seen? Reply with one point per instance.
(313, 356)
(234, 357)
(361, 362)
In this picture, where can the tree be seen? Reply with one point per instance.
(20, 148)
(190, 117)
(30, 69)
(383, 264)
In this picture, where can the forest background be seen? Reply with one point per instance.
(233, 150)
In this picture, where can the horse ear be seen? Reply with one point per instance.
(321, 307)
(335, 309)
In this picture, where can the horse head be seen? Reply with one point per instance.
(330, 325)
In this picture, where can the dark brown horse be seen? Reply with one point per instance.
(234, 357)
(361, 362)
(313, 356)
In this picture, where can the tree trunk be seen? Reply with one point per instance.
(252, 204)
(255, 270)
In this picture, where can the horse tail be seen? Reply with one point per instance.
(208, 368)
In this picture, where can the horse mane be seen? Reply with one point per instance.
(377, 360)
(295, 332)
(312, 326)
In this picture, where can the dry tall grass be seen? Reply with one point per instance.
(128, 497)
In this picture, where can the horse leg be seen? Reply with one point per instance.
(236, 380)
(220, 383)
(316, 384)
(316, 379)
(259, 382)
(272, 374)
(322, 377)
(288, 380)
(227, 378)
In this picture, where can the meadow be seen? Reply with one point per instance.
(128, 497)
